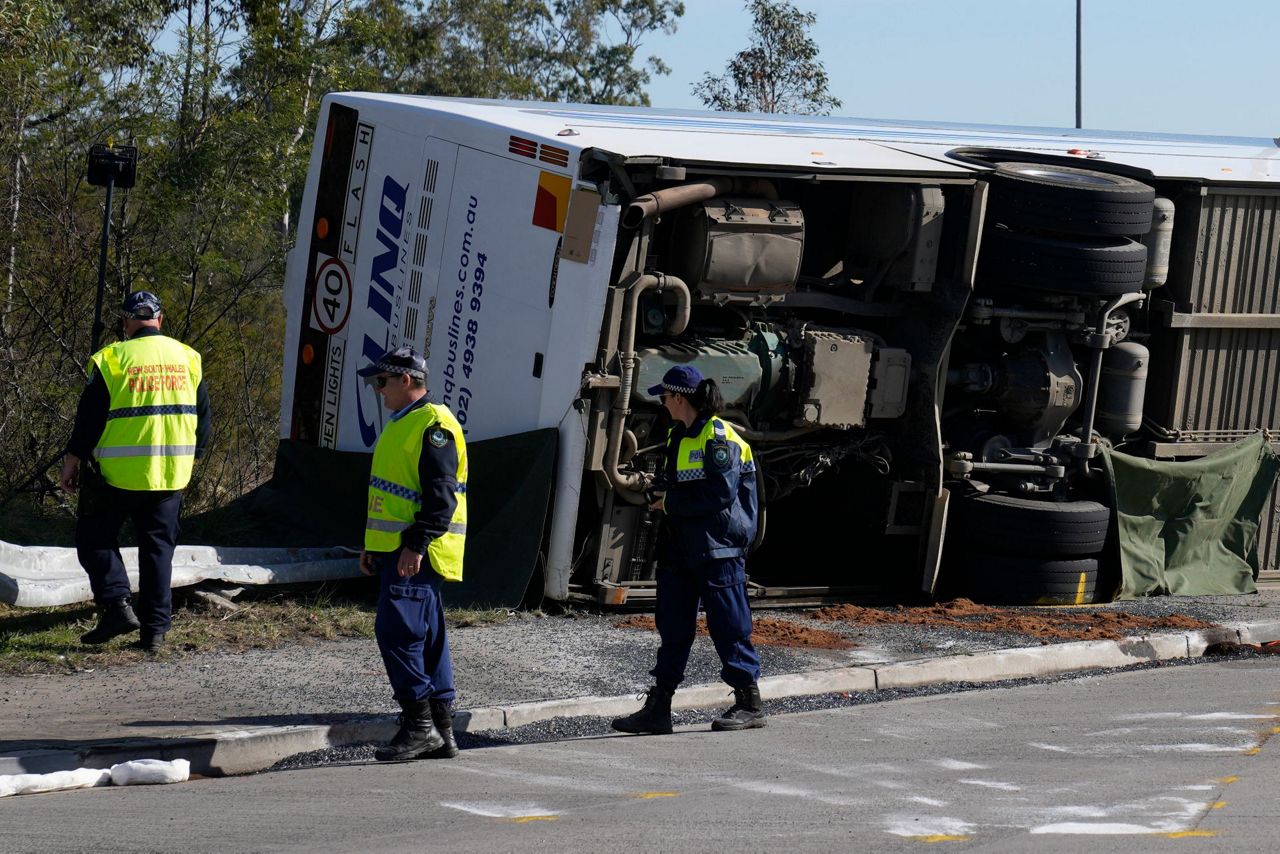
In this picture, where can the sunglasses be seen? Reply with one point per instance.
(382, 380)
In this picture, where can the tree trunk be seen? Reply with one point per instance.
(15, 204)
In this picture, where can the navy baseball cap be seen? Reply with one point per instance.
(140, 305)
(399, 360)
(683, 379)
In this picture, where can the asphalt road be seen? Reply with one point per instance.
(1159, 760)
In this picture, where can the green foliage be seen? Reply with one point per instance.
(779, 73)
(582, 51)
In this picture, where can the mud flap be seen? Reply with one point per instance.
(932, 553)
(508, 492)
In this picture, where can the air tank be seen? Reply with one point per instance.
(1158, 242)
(1123, 385)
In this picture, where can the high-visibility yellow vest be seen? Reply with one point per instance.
(395, 489)
(149, 442)
(689, 462)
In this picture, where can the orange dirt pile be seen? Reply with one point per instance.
(764, 630)
(1046, 625)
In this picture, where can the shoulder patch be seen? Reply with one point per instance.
(719, 458)
(438, 437)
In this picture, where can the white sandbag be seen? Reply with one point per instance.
(141, 772)
(31, 784)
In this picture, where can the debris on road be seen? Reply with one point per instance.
(1230, 648)
(765, 630)
(1056, 624)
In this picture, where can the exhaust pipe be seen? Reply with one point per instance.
(631, 486)
(673, 198)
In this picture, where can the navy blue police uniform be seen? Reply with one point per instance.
(710, 523)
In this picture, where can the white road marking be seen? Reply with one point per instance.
(1195, 748)
(927, 825)
(992, 784)
(1206, 716)
(929, 802)
(1113, 749)
(498, 810)
(571, 784)
(1078, 827)
(958, 765)
(780, 790)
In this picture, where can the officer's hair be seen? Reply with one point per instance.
(417, 382)
(707, 399)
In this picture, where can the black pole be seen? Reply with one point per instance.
(1079, 64)
(102, 269)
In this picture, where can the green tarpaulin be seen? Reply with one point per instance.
(1190, 528)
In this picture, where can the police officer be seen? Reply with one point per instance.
(707, 493)
(413, 540)
(142, 421)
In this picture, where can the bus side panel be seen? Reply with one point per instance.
(491, 319)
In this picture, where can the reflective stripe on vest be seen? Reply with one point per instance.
(149, 441)
(395, 489)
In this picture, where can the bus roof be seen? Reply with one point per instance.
(836, 144)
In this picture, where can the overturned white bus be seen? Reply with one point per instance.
(926, 332)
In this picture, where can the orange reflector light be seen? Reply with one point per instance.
(308, 354)
(322, 228)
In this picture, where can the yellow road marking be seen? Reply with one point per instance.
(1183, 834)
(1217, 805)
(941, 837)
(1275, 729)
(1080, 590)
(1227, 780)
(1253, 751)
(525, 819)
(650, 795)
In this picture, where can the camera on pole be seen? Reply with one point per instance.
(110, 166)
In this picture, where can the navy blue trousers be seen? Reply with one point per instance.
(721, 586)
(103, 510)
(411, 632)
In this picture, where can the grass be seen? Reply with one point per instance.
(47, 640)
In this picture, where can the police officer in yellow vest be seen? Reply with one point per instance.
(413, 541)
(142, 421)
(707, 494)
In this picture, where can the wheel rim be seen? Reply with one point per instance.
(1083, 178)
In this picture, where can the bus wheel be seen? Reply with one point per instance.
(1096, 266)
(1010, 524)
(998, 579)
(1064, 200)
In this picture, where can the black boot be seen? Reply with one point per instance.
(416, 737)
(150, 642)
(116, 619)
(747, 712)
(442, 717)
(653, 719)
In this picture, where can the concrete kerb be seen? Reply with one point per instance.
(247, 750)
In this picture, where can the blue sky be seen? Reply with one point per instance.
(1193, 66)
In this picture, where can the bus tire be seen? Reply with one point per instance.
(1065, 200)
(1098, 266)
(1015, 580)
(1010, 524)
